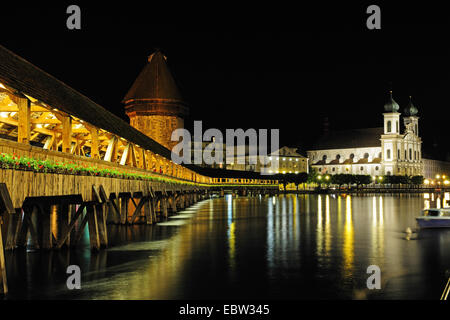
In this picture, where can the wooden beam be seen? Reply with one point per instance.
(125, 155)
(94, 142)
(133, 160)
(24, 124)
(66, 134)
(111, 151)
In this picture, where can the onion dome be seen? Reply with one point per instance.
(391, 105)
(410, 109)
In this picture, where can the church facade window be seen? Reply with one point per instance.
(388, 154)
(389, 126)
(396, 126)
(410, 154)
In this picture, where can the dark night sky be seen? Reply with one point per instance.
(255, 67)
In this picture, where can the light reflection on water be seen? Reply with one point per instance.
(284, 247)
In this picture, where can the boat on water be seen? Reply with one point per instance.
(434, 218)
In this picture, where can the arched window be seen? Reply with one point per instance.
(406, 156)
(366, 155)
(334, 169)
(338, 157)
(389, 126)
(324, 158)
(352, 156)
(410, 154)
(362, 168)
(376, 168)
(417, 129)
(398, 154)
(396, 126)
(388, 154)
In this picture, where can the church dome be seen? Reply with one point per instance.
(391, 105)
(410, 109)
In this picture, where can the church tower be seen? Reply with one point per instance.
(410, 118)
(412, 143)
(154, 104)
(391, 139)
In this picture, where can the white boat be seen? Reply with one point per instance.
(434, 218)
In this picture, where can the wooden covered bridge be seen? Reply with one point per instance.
(62, 153)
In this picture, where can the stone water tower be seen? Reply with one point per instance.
(154, 104)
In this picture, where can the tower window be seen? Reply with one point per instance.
(389, 126)
(388, 154)
(410, 154)
(398, 154)
(396, 126)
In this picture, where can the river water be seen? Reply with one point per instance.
(282, 247)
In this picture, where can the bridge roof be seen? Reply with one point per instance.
(155, 82)
(23, 76)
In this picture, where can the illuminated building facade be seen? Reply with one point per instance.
(373, 151)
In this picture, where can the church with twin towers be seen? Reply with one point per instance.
(386, 150)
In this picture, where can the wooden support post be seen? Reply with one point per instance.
(66, 134)
(13, 228)
(24, 123)
(137, 211)
(164, 207)
(3, 279)
(44, 226)
(93, 227)
(124, 200)
(101, 221)
(148, 211)
(101, 218)
(114, 206)
(65, 236)
(173, 203)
